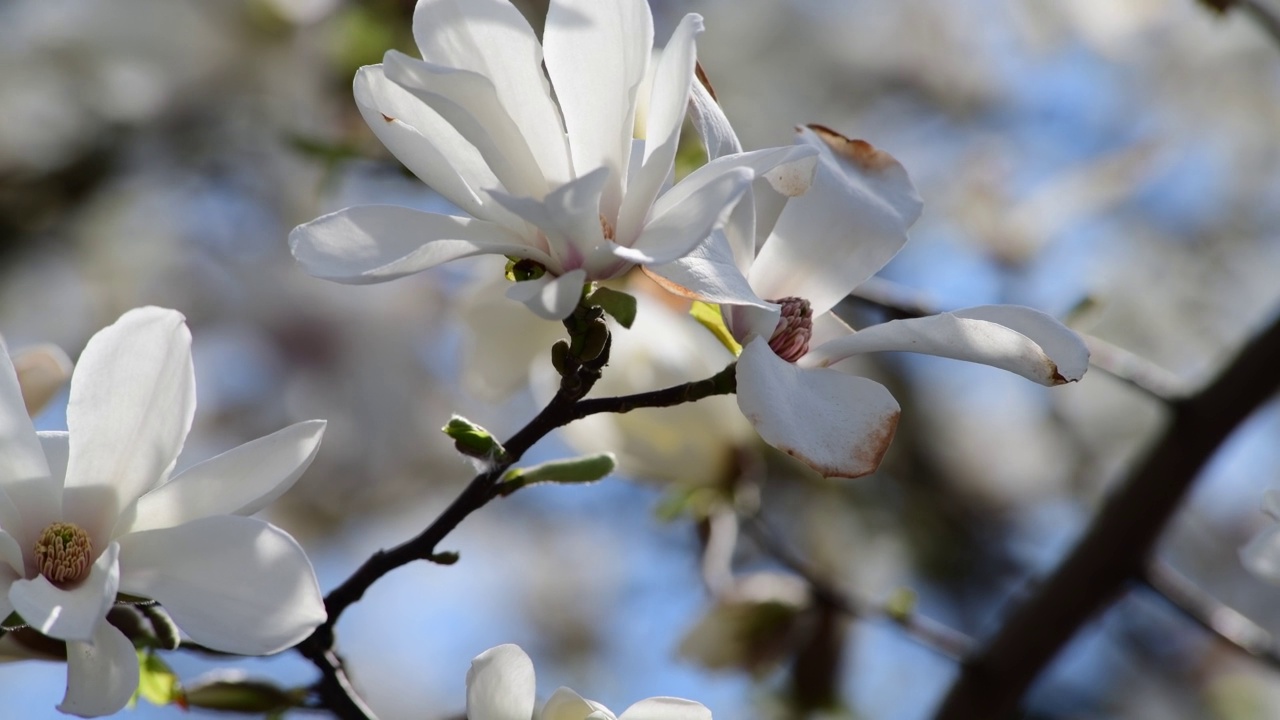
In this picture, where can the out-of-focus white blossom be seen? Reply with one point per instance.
(42, 371)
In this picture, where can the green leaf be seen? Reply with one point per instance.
(712, 319)
(619, 305)
(588, 468)
(157, 684)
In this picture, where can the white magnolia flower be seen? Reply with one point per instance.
(778, 274)
(500, 686)
(557, 184)
(92, 512)
(1262, 555)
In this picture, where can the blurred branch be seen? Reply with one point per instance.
(1223, 621)
(1267, 16)
(901, 302)
(1115, 548)
(930, 633)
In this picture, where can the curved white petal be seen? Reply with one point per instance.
(569, 217)
(876, 168)
(132, 399)
(1063, 345)
(837, 424)
(707, 273)
(952, 335)
(236, 584)
(552, 298)
(42, 371)
(28, 498)
(666, 708)
(376, 243)
(848, 225)
(101, 674)
(598, 96)
(1261, 556)
(565, 704)
(13, 567)
(428, 145)
(500, 685)
(668, 101)
(240, 481)
(72, 613)
(469, 102)
(491, 38)
(712, 125)
(679, 225)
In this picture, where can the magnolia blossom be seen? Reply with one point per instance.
(92, 512)
(558, 186)
(778, 274)
(500, 686)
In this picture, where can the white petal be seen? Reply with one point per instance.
(73, 613)
(493, 39)
(500, 685)
(28, 498)
(859, 159)
(240, 481)
(376, 243)
(964, 338)
(706, 273)
(469, 102)
(101, 675)
(565, 704)
(1063, 345)
(841, 232)
(712, 125)
(666, 708)
(13, 567)
(569, 217)
(1262, 555)
(42, 371)
(428, 145)
(679, 225)
(668, 101)
(552, 298)
(598, 96)
(132, 398)
(840, 425)
(236, 584)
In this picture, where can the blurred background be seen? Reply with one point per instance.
(1112, 162)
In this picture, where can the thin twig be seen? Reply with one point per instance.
(1223, 621)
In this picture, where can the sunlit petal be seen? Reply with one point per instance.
(28, 497)
(501, 685)
(666, 708)
(101, 674)
(70, 613)
(552, 298)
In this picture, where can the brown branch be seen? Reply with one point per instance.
(1115, 548)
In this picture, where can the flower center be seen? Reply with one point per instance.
(606, 227)
(790, 340)
(64, 553)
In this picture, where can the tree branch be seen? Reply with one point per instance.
(1115, 548)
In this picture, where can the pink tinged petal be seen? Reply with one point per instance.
(550, 297)
(240, 481)
(707, 273)
(1262, 555)
(493, 39)
(687, 218)
(598, 96)
(1065, 348)
(500, 685)
(666, 708)
(837, 424)
(375, 243)
(469, 102)
(953, 336)
(132, 398)
(28, 498)
(832, 238)
(71, 613)
(569, 216)
(236, 584)
(427, 144)
(101, 674)
(668, 101)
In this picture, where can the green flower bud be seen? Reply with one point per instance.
(472, 440)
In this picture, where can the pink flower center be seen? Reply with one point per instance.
(64, 553)
(790, 340)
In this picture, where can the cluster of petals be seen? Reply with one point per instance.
(95, 508)
(556, 181)
(501, 686)
(817, 247)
